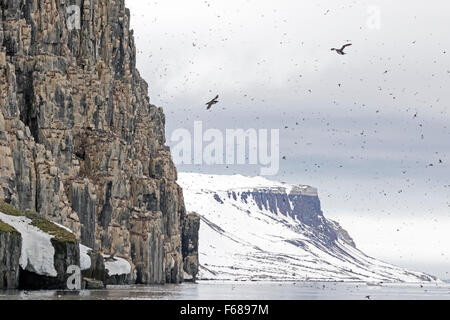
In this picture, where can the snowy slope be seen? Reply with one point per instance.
(256, 229)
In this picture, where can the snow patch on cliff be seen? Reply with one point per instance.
(118, 267)
(37, 250)
(85, 258)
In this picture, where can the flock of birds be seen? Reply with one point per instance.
(309, 167)
(339, 51)
(399, 118)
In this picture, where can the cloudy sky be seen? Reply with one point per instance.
(369, 129)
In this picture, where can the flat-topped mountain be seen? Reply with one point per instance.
(80, 143)
(257, 229)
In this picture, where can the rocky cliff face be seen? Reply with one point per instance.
(79, 141)
(10, 248)
(301, 203)
(190, 243)
(35, 253)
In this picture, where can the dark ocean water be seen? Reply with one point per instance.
(247, 291)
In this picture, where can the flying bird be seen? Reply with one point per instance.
(212, 102)
(341, 50)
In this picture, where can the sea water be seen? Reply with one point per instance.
(207, 290)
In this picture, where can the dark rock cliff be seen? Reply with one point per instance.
(67, 253)
(10, 248)
(19, 235)
(79, 141)
(190, 243)
(301, 203)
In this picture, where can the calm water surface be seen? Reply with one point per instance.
(246, 291)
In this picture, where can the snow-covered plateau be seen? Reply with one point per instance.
(261, 230)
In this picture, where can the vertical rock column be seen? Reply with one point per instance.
(80, 142)
(190, 246)
(10, 248)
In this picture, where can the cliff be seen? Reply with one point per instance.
(256, 229)
(300, 203)
(80, 142)
(35, 252)
(10, 248)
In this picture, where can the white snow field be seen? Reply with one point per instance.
(243, 240)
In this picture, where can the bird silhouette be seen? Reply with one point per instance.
(212, 102)
(341, 50)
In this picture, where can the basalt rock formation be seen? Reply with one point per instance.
(97, 269)
(80, 143)
(190, 246)
(10, 248)
(302, 204)
(35, 253)
(66, 254)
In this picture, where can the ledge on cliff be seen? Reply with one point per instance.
(41, 257)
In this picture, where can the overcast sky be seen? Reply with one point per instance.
(369, 129)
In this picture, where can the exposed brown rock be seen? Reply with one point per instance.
(79, 141)
(10, 248)
(190, 243)
(97, 270)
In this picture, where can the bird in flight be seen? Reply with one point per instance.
(212, 102)
(341, 50)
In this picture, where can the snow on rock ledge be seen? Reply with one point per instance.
(118, 267)
(85, 259)
(118, 270)
(253, 229)
(37, 249)
(47, 250)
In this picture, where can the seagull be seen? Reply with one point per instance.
(212, 102)
(341, 50)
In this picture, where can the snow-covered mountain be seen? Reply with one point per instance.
(257, 229)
